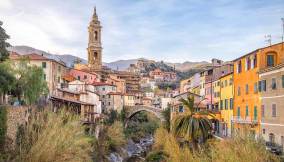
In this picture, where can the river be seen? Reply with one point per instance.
(133, 152)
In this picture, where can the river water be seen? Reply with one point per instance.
(133, 152)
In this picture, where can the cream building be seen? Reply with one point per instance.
(53, 70)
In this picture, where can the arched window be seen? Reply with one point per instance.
(96, 35)
(95, 55)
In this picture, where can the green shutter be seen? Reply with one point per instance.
(247, 109)
(239, 112)
(255, 112)
(282, 81)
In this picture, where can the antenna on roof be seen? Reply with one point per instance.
(282, 29)
(268, 39)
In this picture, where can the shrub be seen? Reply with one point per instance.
(51, 137)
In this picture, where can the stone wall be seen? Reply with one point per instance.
(15, 117)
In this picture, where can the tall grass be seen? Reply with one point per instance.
(237, 149)
(51, 137)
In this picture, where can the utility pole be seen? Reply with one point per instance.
(283, 31)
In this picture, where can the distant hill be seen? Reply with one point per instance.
(183, 69)
(185, 66)
(67, 58)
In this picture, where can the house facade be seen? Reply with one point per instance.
(272, 97)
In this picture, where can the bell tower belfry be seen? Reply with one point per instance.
(94, 45)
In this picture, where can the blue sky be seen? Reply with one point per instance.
(169, 30)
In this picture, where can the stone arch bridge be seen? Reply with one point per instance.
(133, 110)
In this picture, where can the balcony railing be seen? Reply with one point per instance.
(245, 120)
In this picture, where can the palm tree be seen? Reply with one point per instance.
(193, 124)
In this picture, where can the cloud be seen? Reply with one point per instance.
(173, 30)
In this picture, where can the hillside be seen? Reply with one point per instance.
(183, 70)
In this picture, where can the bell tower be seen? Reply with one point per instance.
(94, 45)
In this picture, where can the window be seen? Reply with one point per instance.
(43, 65)
(262, 86)
(103, 96)
(239, 112)
(231, 103)
(255, 113)
(44, 76)
(231, 81)
(263, 131)
(78, 77)
(254, 62)
(85, 77)
(221, 104)
(59, 68)
(273, 83)
(248, 64)
(247, 111)
(270, 60)
(239, 91)
(103, 103)
(282, 81)
(262, 111)
(247, 89)
(103, 88)
(239, 67)
(180, 108)
(273, 110)
(255, 87)
(226, 83)
(58, 79)
(109, 103)
(271, 138)
(226, 104)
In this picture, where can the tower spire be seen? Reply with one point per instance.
(95, 13)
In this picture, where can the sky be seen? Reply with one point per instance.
(169, 30)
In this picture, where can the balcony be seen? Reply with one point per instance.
(246, 120)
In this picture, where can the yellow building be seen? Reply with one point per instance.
(196, 90)
(226, 104)
(216, 94)
(184, 85)
(247, 103)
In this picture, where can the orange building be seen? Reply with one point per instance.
(247, 103)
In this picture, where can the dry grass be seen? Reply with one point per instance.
(51, 137)
(238, 149)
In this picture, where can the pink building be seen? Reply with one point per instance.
(88, 77)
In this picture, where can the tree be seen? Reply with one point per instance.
(167, 116)
(7, 80)
(35, 84)
(193, 125)
(30, 82)
(4, 54)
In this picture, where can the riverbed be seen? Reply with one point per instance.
(133, 152)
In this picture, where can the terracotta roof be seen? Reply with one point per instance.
(32, 56)
(146, 98)
(68, 78)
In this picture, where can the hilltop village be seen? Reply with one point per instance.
(244, 93)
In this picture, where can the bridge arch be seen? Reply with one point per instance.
(139, 108)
